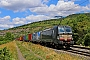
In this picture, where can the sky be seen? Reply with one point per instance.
(19, 12)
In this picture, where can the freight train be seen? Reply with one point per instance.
(58, 35)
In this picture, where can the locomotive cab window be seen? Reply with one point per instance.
(61, 30)
(68, 30)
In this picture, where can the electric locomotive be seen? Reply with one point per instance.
(60, 35)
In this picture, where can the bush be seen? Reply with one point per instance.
(79, 41)
(86, 40)
(5, 54)
(1, 38)
(9, 36)
(75, 37)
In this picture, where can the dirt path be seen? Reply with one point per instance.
(20, 57)
(34, 53)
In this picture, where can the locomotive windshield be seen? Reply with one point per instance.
(64, 29)
(68, 29)
(61, 29)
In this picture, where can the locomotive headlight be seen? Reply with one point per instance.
(62, 36)
(69, 36)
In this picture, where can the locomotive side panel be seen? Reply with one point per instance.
(46, 35)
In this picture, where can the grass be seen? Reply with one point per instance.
(11, 46)
(28, 55)
(32, 51)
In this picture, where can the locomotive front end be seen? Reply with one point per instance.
(65, 35)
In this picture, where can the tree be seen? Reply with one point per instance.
(86, 40)
(1, 38)
(9, 36)
(82, 17)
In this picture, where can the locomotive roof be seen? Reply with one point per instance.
(47, 29)
(55, 26)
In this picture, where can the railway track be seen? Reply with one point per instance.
(76, 50)
(82, 47)
(81, 50)
(73, 50)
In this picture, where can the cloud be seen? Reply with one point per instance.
(6, 26)
(6, 18)
(46, 1)
(69, 0)
(88, 5)
(63, 8)
(33, 18)
(29, 19)
(19, 21)
(5, 22)
(39, 7)
(19, 5)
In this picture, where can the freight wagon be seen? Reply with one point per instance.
(27, 37)
(20, 38)
(36, 36)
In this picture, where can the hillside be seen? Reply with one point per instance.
(80, 24)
